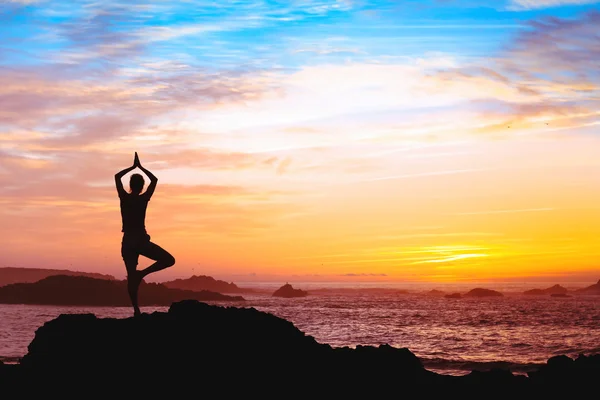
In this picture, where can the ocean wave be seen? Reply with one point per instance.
(10, 360)
(442, 364)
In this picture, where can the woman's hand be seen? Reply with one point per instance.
(136, 161)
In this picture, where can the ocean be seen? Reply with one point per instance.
(450, 336)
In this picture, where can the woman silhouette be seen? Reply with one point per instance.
(136, 240)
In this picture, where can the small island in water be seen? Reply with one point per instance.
(479, 292)
(288, 291)
(593, 289)
(204, 282)
(553, 290)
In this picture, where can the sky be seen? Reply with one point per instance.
(308, 140)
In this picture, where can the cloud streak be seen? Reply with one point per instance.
(520, 5)
(526, 210)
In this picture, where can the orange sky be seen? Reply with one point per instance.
(439, 167)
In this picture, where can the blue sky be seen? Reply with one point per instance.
(264, 34)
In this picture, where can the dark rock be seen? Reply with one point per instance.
(479, 292)
(288, 291)
(562, 371)
(9, 275)
(593, 289)
(83, 291)
(198, 346)
(491, 378)
(203, 282)
(556, 289)
(203, 349)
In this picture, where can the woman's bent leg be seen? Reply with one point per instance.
(163, 258)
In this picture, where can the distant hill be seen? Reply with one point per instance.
(593, 289)
(203, 282)
(479, 292)
(556, 289)
(10, 275)
(63, 290)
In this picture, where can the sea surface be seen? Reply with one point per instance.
(451, 336)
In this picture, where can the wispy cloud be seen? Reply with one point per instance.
(424, 174)
(551, 65)
(23, 2)
(525, 210)
(519, 5)
(451, 258)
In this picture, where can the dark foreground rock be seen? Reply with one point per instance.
(217, 352)
(62, 290)
(288, 291)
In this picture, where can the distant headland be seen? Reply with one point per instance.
(10, 275)
(64, 290)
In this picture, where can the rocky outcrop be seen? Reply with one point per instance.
(479, 292)
(561, 372)
(63, 290)
(593, 289)
(10, 275)
(203, 282)
(195, 346)
(288, 291)
(556, 289)
(208, 350)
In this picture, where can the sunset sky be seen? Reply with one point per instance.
(356, 140)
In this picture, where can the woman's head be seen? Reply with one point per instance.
(136, 183)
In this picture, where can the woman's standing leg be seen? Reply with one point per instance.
(134, 277)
